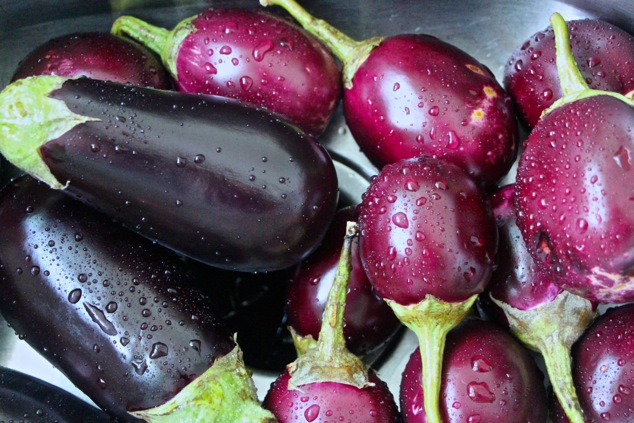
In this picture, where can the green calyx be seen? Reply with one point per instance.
(551, 329)
(431, 320)
(573, 85)
(29, 118)
(163, 42)
(350, 52)
(328, 359)
(224, 393)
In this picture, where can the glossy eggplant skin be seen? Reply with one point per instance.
(118, 315)
(27, 398)
(214, 180)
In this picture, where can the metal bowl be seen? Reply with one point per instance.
(488, 29)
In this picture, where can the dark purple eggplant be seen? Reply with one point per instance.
(26, 398)
(119, 315)
(212, 179)
(250, 55)
(413, 94)
(97, 55)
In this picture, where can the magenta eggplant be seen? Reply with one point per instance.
(602, 51)
(120, 316)
(250, 55)
(369, 323)
(426, 228)
(412, 94)
(214, 180)
(27, 398)
(488, 377)
(604, 358)
(98, 55)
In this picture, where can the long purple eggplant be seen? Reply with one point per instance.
(250, 55)
(26, 398)
(120, 316)
(214, 180)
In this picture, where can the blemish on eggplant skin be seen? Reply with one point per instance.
(475, 69)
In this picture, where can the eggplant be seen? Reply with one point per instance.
(27, 398)
(120, 316)
(207, 177)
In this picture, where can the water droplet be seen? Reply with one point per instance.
(312, 412)
(210, 69)
(199, 158)
(411, 185)
(35, 270)
(124, 341)
(146, 312)
(622, 158)
(96, 348)
(181, 161)
(97, 315)
(480, 392)
(261, 49)
(519, 65)
(195, 345)
(593, 61)
(547, 94)
(453, 141)
(396, 86)
(235, 61)
(159, 350)
(95, 148)
(74, 296)
(434, 111)
(582, 224)
(111, 307)
(140, 366)
(480, 364)
(400, 220)
(246, 83)
(225, 50)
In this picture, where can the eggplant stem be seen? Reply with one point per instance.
(570, 78)
(153, 37)
(551, 329)
(559, 364)
(350, 52)
(431, 320)
(330, 360)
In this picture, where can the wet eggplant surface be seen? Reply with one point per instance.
(488, 29)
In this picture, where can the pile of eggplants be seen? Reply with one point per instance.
(143, 227)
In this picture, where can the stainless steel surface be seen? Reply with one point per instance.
(488, 29)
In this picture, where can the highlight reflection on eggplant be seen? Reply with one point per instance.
(214, 180)
(120, 316)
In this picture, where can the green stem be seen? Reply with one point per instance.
(551, 329)
(431, 320)
(224, 393)
(149, 35)
(559, 364)
(350, 52)
(570, 78)
(330, 360)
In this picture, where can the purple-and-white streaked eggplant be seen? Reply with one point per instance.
(210, 178)
(250, 55)
(27, 398)
(120, 316)
(97, 55)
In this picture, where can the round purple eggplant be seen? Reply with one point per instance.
(369, 323)
(26, 398)
(119, 315)
(428, 240)
(538, 312)
(574, 187)
(327, 382)
(97, 55)
(604, 359)
(250, 55)
(410, 95)
(487, 377)
(602, 51)
(212, 179)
